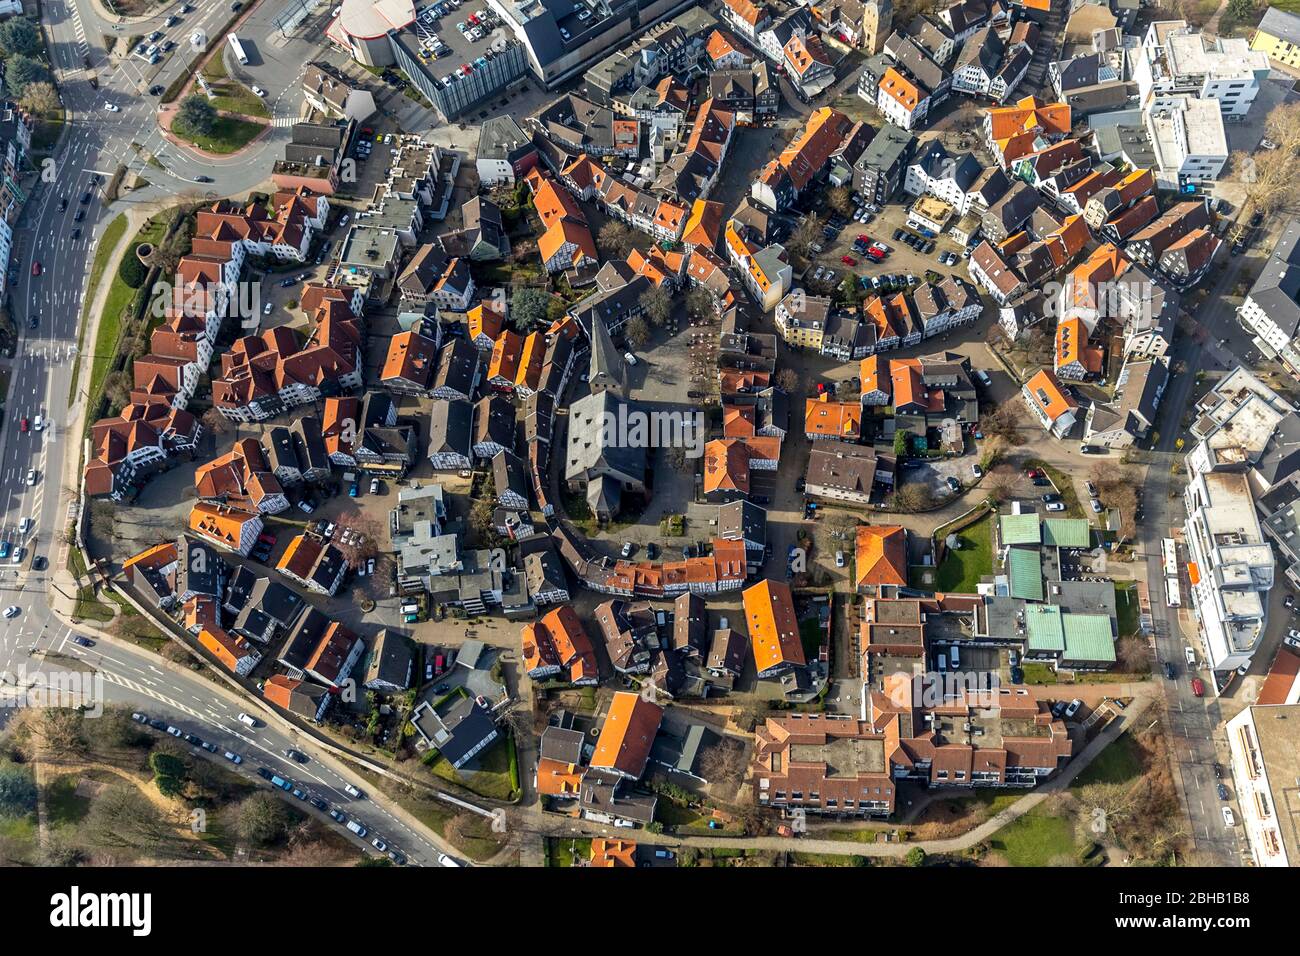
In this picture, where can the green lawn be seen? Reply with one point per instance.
(230, 94)
(228, 135)
(1036, 673)
(962, 569)
(89, 608)
(1036, 839)
(62, 803)
(810, 634)
(488, 774)
(561, 852)
(46, 134)
(1126, 609)
(1121, 762)
(112, 235)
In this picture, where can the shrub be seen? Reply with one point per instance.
(132, 270)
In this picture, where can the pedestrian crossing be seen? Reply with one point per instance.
(282, 122)
(79, 28)
(112, 678)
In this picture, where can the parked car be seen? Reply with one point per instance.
(1229, 820)
(1198, 687)
(1073, 708)
(1055, 506)
(1223, 791)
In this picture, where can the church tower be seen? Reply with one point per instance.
(877, 24)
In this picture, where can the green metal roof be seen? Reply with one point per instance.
(1043, 627)
(1088, 637)
(1066, 532)
(1025, 568)
(1019, 529)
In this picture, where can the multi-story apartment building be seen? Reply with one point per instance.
(1188, 141)
(1272, 307)
(1263, 746)
(1176, 60)
(1230, 564)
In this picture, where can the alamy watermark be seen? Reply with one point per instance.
(63, 689)
(637, 428)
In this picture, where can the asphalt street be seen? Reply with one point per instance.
(35, 642)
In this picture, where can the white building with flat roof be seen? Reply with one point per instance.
(1188, 140)
(1178, 60)
(1230, 567)
(1264, 744)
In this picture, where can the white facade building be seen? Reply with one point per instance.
(1230, 565)
(1188, 140)
(1264, 744)
(1177, 60)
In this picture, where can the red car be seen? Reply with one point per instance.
(874, 256)
(1034, 473)
(267, 539)
(863, 237)
(36, 268)
(848, 260)
(22, 425)
(1198, 688)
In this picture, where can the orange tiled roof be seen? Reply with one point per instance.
(1054, 402)
(1072, 346)
(612, 853)
(773, 630)
(627, 734)
(219, 523)
(833, 419)
(901, 89)
(881, 555)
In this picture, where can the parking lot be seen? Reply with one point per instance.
(447, 49)
(901, 260)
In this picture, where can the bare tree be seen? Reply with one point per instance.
(1001, 482)
(838, 199)
(637, 332)
(658, 305)
(615, 239)
(1004, 422)
(699, 303)
(803, 236)
(121, 816)
(913, 496)
(787, 380)
(723, 763)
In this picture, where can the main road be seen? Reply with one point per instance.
(51, 261)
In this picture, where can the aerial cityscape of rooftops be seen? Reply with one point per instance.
(403, 461)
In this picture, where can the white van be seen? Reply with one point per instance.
(983, 376)
(1190, 655)
(410, 609)
(445, 860)
(956, 658)
(357, 828)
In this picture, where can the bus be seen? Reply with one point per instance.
(1173, 597)
(238, 47)
(1170, 554)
